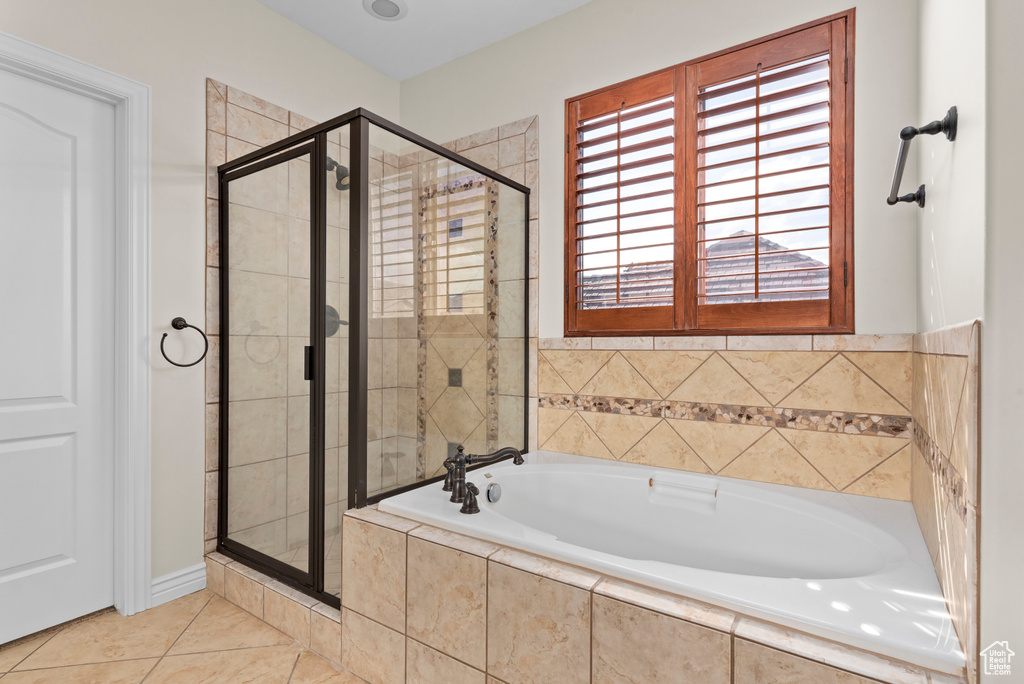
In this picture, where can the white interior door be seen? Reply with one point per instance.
(57, 203)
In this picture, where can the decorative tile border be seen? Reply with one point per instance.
(766, 416)
(950, 482)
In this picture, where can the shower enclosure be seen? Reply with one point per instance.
(373, 318)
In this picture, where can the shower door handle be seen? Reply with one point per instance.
(308, 364)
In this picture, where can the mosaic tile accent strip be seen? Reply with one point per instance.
(950, 482)
(797, 419)
(492, 302)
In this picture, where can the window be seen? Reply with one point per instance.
(715, 196)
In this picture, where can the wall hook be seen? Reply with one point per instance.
(180, 323)
(947, 126)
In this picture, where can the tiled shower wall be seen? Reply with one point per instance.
(238, 123)
(513, 150)
(825, 412)
(945, 469)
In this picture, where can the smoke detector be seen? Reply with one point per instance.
(386, 10)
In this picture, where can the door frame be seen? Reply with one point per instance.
(131, 324)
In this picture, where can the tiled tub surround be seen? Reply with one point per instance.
(945, 469)
(429, 605)
(739, 545)
(824, 412)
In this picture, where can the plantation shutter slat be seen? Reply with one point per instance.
(714, 196)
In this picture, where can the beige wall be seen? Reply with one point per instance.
(1002, 381)
(173, 47)
(951, 247)
(607, 41)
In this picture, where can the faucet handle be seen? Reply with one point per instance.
(469, 504)
(449, 476)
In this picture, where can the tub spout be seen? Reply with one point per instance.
(504, 452)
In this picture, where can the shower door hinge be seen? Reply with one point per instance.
(846, 274)
(308, 364)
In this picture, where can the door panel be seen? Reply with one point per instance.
(56, 365)
(266, 275)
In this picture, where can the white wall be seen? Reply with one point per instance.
(1002, 371)
(951, 249)
(173, 46)
(607, 41)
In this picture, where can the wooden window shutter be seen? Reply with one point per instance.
(620, 209)
(766, 217)
(716, 196)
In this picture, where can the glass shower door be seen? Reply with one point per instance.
(267, 363)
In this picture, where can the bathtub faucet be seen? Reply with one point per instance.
(455, 480)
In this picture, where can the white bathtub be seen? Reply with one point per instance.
(848, 568)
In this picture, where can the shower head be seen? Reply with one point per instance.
(340, 172)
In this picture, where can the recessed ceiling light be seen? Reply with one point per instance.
(387, 10)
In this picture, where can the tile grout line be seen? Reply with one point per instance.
(749, 447)
(665, 396)
(29, 655)
(161, 658)
(295, 665)
(880, 386)
(94, 662)
(808, 379)
(590, 639)
(690, 447)
(877, 466)
(592, 375)
(814, 467)
(743, 377)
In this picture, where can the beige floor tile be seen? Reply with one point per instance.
(12, 655)
(221, 626)
(312, 669)
(272, 664)
(114, 637)
(122, 672)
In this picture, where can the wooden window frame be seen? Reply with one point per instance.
(834, 315)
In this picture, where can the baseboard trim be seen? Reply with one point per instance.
(179, 583)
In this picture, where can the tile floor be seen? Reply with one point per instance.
(197, 639)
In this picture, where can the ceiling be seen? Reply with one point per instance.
(432, 33)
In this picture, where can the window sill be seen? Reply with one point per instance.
(788, 342)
